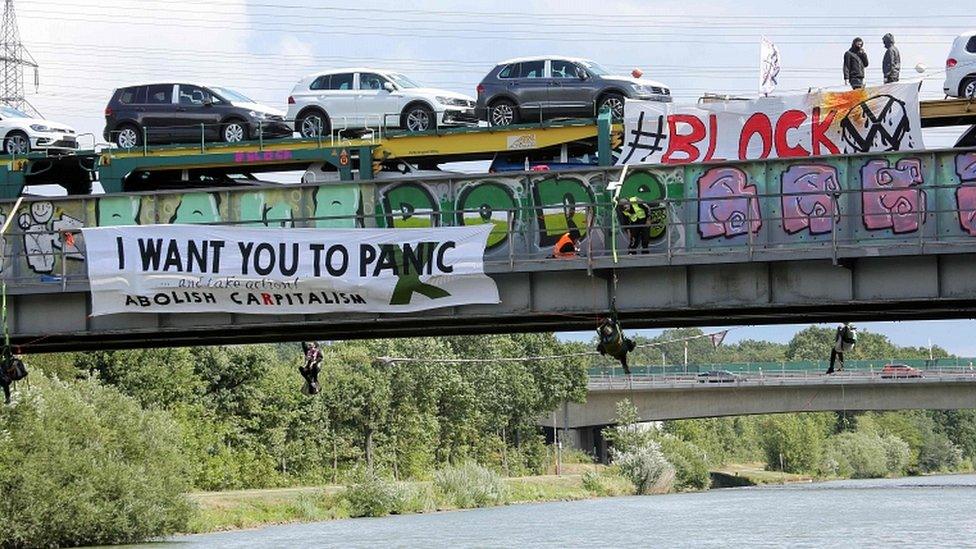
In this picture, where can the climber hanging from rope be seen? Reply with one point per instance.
(12, 369)
(844, 341)
(313, 365)
(612, 341)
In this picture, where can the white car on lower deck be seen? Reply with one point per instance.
(362, 98)
(22, 133)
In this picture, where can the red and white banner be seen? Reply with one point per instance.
(878, 119)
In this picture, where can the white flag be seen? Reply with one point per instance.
(718, 337)
(768, 66)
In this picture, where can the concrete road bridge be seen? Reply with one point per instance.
(945, 384)
(882, 236)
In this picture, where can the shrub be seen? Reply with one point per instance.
(688, 460)
(82, 464)
(897, 454)
(792, 444)
(860, 454)
(646, 468)
(938, 453)
(469, 485)
(374, 497)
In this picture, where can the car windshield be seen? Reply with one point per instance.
(232, 95)
(10, 112)
(595, 68)
(402, 81)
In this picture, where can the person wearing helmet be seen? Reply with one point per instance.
(12, 369)
(844, 341)
(313, 365)
(891, 65)
(613, 343)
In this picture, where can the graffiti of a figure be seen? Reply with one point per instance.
(966, 192)
(728, 204)
(807, 203)
(892, 197)
(42, 236)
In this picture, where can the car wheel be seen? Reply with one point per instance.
(312, 124)
(502, 113)
(615, 103)
(967, 89)
(418, 118)
(16, 143)
(128, 137)
(234, 132)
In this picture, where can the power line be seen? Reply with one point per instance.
(14, 58)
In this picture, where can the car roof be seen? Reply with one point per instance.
(351, 69)
(542, 58)
(173, 83)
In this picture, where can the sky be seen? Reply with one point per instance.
(263, 47)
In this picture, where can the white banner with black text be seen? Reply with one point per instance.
(204, 269)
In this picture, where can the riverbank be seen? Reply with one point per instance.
(245, 509)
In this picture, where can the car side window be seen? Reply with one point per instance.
(341, 81)
(370, 81)
(510, 71)
(971, 45)
(321, 83)
(159, 93)
(194, 95)
(533, 69)
(563, 69)
(135, 94)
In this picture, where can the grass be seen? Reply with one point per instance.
(242, 509)
(757, 474)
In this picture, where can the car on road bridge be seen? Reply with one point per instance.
(363, 98)
(23, 133)
(718, 376)
(892, 371)
(181, 112)
(530, 89)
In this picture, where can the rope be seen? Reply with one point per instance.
(533, 358)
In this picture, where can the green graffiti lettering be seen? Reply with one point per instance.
(409, 206)
(197, 208)
(338, 205)
(487, 202)
(647, 187)
(113, 211)
(560, 207)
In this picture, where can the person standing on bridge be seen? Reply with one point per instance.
(844, 341)
(855, 61)
(635, 216)
(313, 365)
(891, 65)
(613, 343)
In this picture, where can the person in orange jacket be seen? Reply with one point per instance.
(568, 245)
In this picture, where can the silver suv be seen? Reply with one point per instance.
(532, 89)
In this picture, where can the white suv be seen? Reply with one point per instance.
(22, 133)
(372, 98)
(960, 78)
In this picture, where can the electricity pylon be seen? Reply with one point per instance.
(14, 59)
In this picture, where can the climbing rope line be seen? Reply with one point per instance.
(541, 357)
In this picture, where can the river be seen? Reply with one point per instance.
(935, 511)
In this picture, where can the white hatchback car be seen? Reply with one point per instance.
(372, 98)
(23, 133)
(960, 78)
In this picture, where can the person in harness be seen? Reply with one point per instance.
(613, 343)
(313, 365)
(11, 369)
(844, 341)
(634, 215)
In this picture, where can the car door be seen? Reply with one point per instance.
(374, 103)
(160, 118)
(531, 87)
(338, 100)
(197, 111)
(569, 94)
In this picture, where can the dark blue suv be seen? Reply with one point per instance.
(532, 89)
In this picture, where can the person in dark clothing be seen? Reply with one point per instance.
(844, 341)
(891, 65)
(635, 216)
(855, 61)
(613, 343)
(12, 369)
(313, 365)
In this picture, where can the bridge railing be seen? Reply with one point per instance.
(762, 210)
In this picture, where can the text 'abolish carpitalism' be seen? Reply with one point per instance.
(287, 258)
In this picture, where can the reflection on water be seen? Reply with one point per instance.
(927, 511)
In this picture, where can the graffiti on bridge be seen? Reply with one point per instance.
(892, 197)
(807, 199)
(966, 192)
(728, 204)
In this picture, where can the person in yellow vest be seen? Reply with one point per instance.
(635, 217)
(568, 245)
